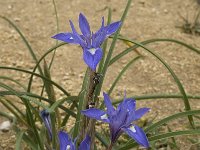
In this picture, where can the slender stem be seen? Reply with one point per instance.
(92, 86)
(90, 95)
(89, 124)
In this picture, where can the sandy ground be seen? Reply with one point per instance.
(146, 20)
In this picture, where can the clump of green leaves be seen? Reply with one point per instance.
(28, 123)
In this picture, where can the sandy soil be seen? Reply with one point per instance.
(145, 20)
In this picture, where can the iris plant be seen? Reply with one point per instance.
(120, 119)
(89, 41)
(66, 142)
(47, 121)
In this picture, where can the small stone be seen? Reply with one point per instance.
(24, 75)
(142, 2)
(132, 4)
(5, 126)
(124, 61)
(165, 11)
(10, 6)
(17, 19)
(81, 75)
(66, 77)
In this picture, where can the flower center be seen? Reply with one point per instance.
(132, 128)
(104, 116)
(92, 50)
(68, 147)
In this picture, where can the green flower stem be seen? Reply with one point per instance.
(89, 124)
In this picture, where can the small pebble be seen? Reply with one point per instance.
(5, 126)
(142, 1)
(165, 11)
(17, 19)
(10, 6)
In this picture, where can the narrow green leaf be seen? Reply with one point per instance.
(48, 86)
(120, 55)
(4, 93)
(44, 106)
(81, 104)
(158, 96)
(101, 64)
(102, 139)
(32, 123)
(60, 102)
(19, 118)
(180, 86)
(15, 107)
(176, 79)
(27, 139)
(109, 55)
(57, 30)
(163, 136)
(64, 121)
(172, 117)
(54, 133)
(24, 40)
(8, 88)
(43, 134)
(38, 63)
(173, 139)
(35, 74)
(13, 80)
(121, 73)
(8, 116)
(19, 140)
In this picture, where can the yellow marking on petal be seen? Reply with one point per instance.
(92, 50)
(105, 116)
(68, 147)
(132, 128)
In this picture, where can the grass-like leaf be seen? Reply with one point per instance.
(105, 44)
(35, 74)
(109, 55)
(65, 119)
(120, 55)
(24, 40)
(11, 103)
(158, 96)
(163, 136)
(176, 79)
(28, 140)
(102, 139)
(68, 111)
(60, 102)
(39, 61)
(44, 106)
(81, 104)
(172, 117)
(19, 140)
(152, 127)
(13, 80)
(48, 86)
(121, 73)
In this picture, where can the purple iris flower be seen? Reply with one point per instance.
(89, 41)
(47, 121)
(66, 142)
(120, 119)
